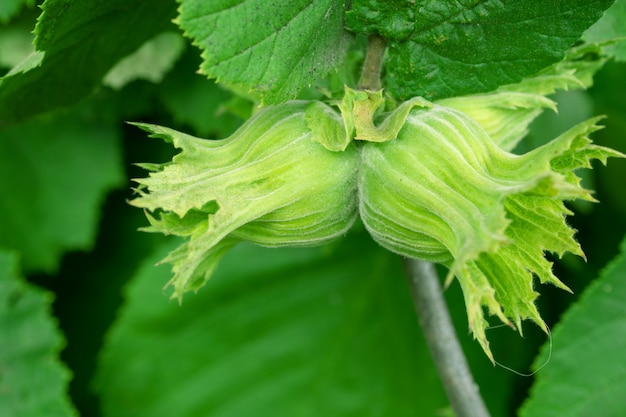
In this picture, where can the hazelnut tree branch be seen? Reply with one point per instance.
(444, 346)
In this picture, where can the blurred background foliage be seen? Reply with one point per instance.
(289, 332)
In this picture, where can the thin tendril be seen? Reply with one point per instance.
(543, 365)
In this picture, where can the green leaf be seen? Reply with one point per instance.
(78, 41)
(150, 62)
(441, 49)
(54, 173)
(278, 332)
(587, 372)
(274, 48)
(611, 27)
(33, 382)
(10, 8)
(394, 20)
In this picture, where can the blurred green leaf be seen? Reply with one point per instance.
(78, 41)
(10, 8)
(586, 375)
(194, 101)
(275, 48)
(276, 332)
(609, 98)
(574, 107)
(443, 49)
(54, 174)
(16, 43)
(150, 62)
(611, 27)
(33, 381)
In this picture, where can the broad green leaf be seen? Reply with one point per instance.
(611, 27)
(326, 331)
(33, 381)
(442, 49)
(10, 8)
(150, 62)
(54, 174)
(274, 48)
(586, 375)
(78, 41)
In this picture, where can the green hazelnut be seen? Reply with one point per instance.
(444, 191)
(272, 183)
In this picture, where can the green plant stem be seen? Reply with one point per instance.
(444, 346)
(370, 75)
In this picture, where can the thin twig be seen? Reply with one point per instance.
(370, 75)
(444, 346)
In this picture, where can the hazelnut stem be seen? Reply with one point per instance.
(370, 75)
(441, 338)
